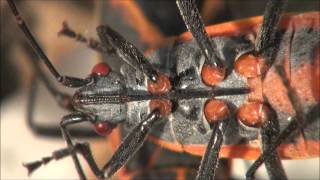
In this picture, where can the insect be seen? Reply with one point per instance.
(205, 91)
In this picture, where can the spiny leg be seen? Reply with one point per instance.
(266, 41)
(126, 150)
(269, 25)
(70, 120)
(218, 116)
(293, 97)
(267, 46)
(296, 123)
(209, 162)
(292, 127)
(131, 143)
(270, 130)
(127, 51)
(64, 80)
(66, 121)
(193, 21)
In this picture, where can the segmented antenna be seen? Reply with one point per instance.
(90, 42)
(56, 155)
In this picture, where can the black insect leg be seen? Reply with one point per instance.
(131, 144)
(66, 121)
(266, 40)
(64, 80)
(126, 150)
(296, 123)
(63, 100)
(69, 120)
(91, 43)
(193, 21)
(293, 97)
(128, 147)
(269, 133)
(209, 162)
(292, 126)
(127, 51)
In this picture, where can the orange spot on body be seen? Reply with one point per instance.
(164, 105)
(249, 66)
(163, 85)
(253, 114)
(215, 110)
(212, 75)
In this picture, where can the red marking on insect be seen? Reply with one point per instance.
(212, 75)
(305, 79)
(249, 66)
(163, 85)
(164, 105)
(215, 110)
(101, 69)
(103, 128)
(253, 114)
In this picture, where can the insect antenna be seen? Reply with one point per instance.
(64, 80)
(63, 100)
(91, 43)
(56, 155)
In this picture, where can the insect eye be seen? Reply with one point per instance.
(101, 69)
(103, 128)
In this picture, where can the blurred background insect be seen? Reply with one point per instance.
(153, 42)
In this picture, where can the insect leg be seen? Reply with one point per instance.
(127, 51)
(64, 80)
(69, 120)
(292, 126)
(91, 43)
(66, 121)
(63, 100)
(131, 144)
(128, 147)
(269, 132)
(209, 162)
(265, 43)
(193, 21)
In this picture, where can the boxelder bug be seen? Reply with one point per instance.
(261, 81)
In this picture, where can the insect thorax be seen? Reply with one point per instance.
(182, 62)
